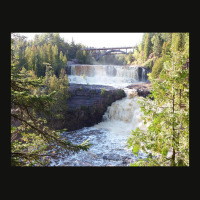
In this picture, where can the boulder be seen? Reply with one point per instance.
(143, 89)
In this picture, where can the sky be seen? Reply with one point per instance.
(96, 39)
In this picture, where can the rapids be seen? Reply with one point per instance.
(109, 137)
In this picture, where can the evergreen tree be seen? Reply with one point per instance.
(36, 40)
(33, 58)
(55, 58)
(31, 137)
(80, 56)
(147, 46)
(157, 68)
(49, 53)
(165, 49)
(186, 46)
(166, 140)
(64, 61)
(157, 44)
(129, 58)
(167, 37)
(178, 41)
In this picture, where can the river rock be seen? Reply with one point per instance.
(143, 89)
(114, 157)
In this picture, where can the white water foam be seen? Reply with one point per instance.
(109, 137)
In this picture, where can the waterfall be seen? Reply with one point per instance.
(113, 75)
(143, 75)
(123, 115)
(109, 137)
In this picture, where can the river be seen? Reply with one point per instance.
(109, 137)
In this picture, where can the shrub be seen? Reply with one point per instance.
(103, 91)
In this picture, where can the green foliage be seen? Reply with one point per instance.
(82, 56)
(166, 138)
(166, 48)
(103, 91)
(147, 45)
(148, 63)
(178, 41)
(157, 44)
(48, 48)
(157, 68)
(51, 83)
(186, 45)
(129, 58)
(30, 136)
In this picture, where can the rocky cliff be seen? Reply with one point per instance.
(86, 105)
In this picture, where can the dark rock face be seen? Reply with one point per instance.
(68, 69)
(143, 76)
(87, 104)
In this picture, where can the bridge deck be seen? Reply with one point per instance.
(104, 48)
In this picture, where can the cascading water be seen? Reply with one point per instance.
(112, 75)
(143, 75)
(109, 137)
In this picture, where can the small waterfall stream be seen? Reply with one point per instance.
(109, 137)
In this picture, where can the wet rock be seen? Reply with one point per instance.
(114, 157)
(143, 89)
(86, 105)
(124, 162)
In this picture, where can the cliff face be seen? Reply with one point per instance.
(86, 105)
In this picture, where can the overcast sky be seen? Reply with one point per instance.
(99, 39)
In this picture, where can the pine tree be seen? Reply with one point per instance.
(157, 44)
(36, 40)
(30, 136)
(178, 41)
(61, 58)
(147, 46)
(49, 54)
(55, 57)
(64, 61)
(157, 68)
(165, 48)
(166, 140)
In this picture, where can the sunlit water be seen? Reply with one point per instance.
(111, 75)
(109, 137)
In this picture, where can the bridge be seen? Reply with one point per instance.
(99, 52)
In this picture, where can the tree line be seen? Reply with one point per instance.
(166, 110)
(152, 51)
(36, 101)
(47, 48)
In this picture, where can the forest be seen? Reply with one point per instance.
(39, 90)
